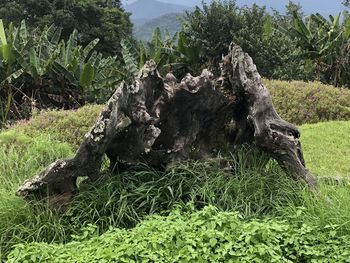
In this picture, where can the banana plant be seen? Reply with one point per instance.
(174, 52)
(7, 72)
(326, 43)
(40, 66)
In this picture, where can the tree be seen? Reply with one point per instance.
(218, 23)
(103, 19)
(160, 122)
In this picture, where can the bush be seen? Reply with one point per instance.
(216, 24)
(205, 236)
(297, 102)
(301, 102)
(65, 126)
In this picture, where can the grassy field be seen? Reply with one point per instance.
(327, 148)
(257, 194)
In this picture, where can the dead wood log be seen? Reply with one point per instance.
(161, 122)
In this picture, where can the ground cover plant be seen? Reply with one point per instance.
(204, 236)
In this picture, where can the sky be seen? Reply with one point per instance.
(309, 6)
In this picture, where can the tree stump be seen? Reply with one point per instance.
(161, 122)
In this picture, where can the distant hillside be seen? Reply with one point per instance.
(309, 6)
(171, 22)
(149, 9)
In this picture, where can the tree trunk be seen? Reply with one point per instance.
(161, 122)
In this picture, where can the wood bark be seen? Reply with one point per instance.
(162, 121)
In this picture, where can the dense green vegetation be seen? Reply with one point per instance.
(288, 46)
(41, 71)
(105, 20)
(325, 45)
(205, 236)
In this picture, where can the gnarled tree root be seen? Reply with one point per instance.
(160, 122)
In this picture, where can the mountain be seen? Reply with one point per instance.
(324, 7)
(168, 22)
(309, 6)
(149, 14)
(149, 9)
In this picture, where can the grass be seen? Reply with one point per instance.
(256, 188)
(326, 148)
(20, 158)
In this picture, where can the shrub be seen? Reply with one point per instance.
(65, 126)
(205, 236)
(297, 102)
(309, 102)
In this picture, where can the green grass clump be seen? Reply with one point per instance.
(204, 236)
(21, 157)
(326, 148)
(253, 189)
(309, 102)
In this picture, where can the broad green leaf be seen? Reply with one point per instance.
(129, 59)
(7, 54)
(89, 48)
(87, 75)
(23, 31)
(2, 34)
(34, 63)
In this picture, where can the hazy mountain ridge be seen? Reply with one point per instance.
(149, 9)
(149, 14)
(309, 6)
(170, 22)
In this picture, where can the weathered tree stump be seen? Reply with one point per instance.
(161, 122)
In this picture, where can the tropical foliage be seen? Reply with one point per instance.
(283, 46)
(175, 53)
(325, 45)
(39, 70)
(105, 20)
